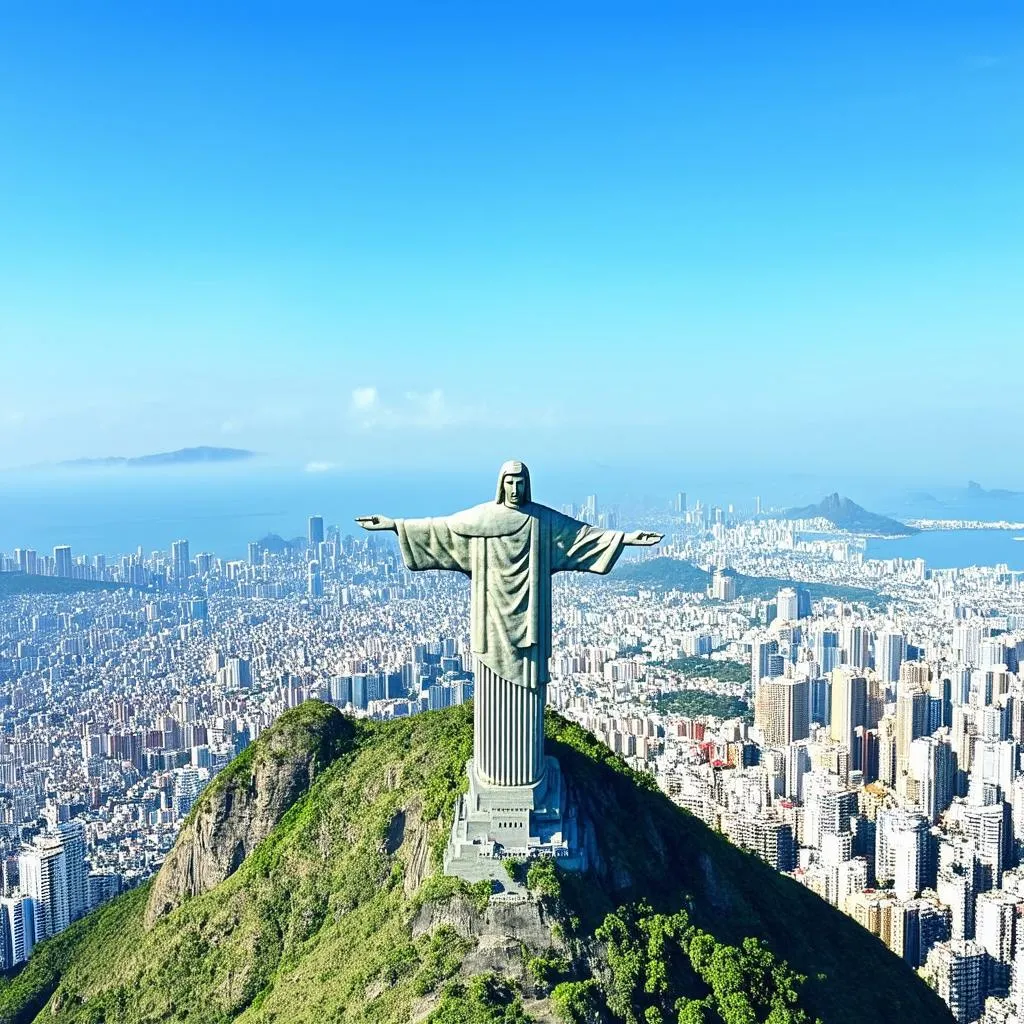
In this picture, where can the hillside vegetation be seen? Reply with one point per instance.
(682, 575)
(14, 583)
(340, 915)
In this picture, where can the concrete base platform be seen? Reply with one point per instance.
(497, 823)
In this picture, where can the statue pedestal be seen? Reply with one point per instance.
(496, 823)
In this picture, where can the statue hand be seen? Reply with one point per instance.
(376, 522)
(643, 538)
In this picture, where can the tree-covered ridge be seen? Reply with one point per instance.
(341, 915)
(14, 583)
(682, 575)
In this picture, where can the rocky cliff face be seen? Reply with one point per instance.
(244, 803)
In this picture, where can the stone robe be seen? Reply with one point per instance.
(510, 555)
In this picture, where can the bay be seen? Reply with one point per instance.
(954, 549)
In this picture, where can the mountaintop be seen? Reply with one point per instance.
(848, 515)
(305, 888)
(180, 457)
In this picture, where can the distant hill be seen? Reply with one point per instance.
(848, 515)
(13, 583)
(975, 490)
(181, 457)
(681, 575)
(305, 887)
(277, 545)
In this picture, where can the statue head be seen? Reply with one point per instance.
(513, 485)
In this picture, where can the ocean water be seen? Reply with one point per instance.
(222, 508)
(955, 549)
(218, 509)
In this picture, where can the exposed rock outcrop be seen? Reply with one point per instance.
(243, 804)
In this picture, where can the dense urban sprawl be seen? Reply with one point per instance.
(870, 749)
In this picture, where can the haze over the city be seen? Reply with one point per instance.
(367, 238)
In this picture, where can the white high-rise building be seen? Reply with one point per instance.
(798, 766)
(932, 769)
(909, 853)
(984, 827)
(72, 838)
(787, 605)
(890, 653)
(17, 929)
(849, 705)
(994, 762)
(958, 970)
(62, 560)
(181, 564)
(42, 869)
(856, 643)
(967, 641)
(315, 584)
(901, 849)
(995, 928)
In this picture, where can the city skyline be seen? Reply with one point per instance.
(716, 219)
(855, 722)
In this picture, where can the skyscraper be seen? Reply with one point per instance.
(826, 650)
(911, 719)
(932, 770)
(723, 585)
(762, 664)
(856, 639)
(848, 707)
(995, 928)
(887, 751)
(787, 605)
(782, 711)
(958, 970)
(42, 869)
(984, 827)
(316, 531)
(890, 653)
(18, 930)
(62, 561)
(181, 564)
(315, 585)
(72, 838)
(910, 855)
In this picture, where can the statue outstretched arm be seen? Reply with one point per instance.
(425, 543)
(642, 538)
(377, 523)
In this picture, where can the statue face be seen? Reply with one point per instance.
(514, 486)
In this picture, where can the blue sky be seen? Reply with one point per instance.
(376, 234)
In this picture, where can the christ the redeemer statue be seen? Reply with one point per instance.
(510, 548)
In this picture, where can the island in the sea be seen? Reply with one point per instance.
(845, 514)
(181, 457)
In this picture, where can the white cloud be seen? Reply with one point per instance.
(428, 410)
(364, 399)
(320, 467)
